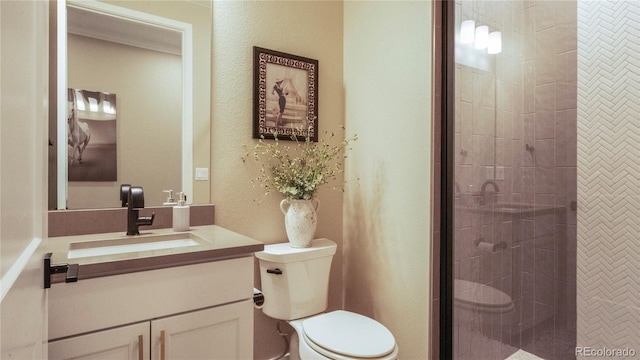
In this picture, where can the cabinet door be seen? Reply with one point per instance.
(127, 342)
(223, 332)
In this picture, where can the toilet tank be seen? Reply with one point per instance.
(295, 281)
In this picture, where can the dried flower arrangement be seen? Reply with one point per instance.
(297, 171)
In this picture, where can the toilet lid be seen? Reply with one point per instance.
(472, 293)
(349, 334)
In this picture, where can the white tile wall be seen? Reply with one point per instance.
(608, 291)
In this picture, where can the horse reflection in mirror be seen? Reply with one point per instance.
(78, 136)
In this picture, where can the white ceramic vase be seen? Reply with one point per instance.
(300, 221)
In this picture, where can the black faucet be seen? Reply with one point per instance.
(483, 190)
(135, 201)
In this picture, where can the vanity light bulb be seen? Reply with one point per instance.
(467, 31)
(495, 43)
(482, 37)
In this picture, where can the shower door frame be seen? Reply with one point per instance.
(445, 9)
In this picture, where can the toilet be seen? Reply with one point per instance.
(295, 284)
(484, 305)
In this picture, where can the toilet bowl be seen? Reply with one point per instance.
(295, 284)
(483, 305)
(341, 335)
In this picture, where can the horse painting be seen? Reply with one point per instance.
(78, 136)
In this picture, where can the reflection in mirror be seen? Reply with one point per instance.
(145, 61)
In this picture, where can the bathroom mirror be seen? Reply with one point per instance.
(148, 57)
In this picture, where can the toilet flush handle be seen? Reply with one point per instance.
(274, 271)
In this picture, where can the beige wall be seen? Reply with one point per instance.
(387, 215)
(307, 28)
(385, 84)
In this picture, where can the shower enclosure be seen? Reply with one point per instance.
(544, 179)
(515, 170)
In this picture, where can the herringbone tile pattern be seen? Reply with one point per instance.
(609, 174)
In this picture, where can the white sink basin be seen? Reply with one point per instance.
(132, 244)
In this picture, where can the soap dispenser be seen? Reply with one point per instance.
(181, 214)
(170, 200)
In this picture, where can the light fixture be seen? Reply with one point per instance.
(467, 31)
(81, 105)
(478, 38)
(482, 37)
(93, 104)
(495, 43)
(107, 108)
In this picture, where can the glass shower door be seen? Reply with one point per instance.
(515, 179)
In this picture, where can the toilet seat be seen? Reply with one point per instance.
(343, 335)
(470, 294)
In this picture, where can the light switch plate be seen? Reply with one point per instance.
(202, 174)
(488, 172)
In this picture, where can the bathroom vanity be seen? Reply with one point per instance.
(160, 295)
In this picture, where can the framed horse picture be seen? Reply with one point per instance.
(285, 96)
(91, 135)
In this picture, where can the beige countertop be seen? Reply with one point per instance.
(99, 255)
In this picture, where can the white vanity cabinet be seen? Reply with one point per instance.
(201, 311)
(215, 333)
(126, 343)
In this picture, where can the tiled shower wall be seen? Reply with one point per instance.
(609, 175)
